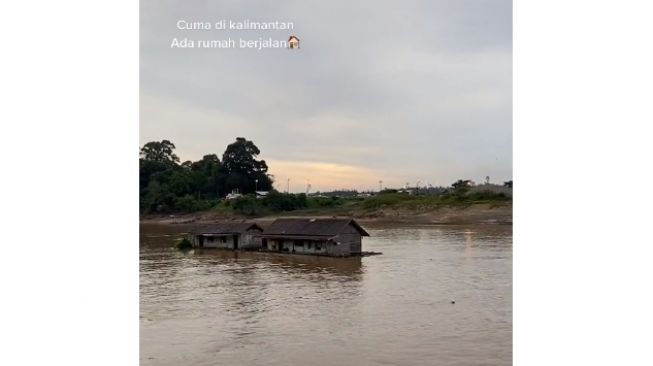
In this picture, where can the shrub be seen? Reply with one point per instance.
(387, 199)
(246, 206)
(189, 203)
(487, 196)
(276, 201)
(319, 202)
(184, 244)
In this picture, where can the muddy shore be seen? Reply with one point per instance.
(467, 215)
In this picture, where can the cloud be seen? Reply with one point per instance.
(420, 91)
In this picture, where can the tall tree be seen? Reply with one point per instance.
(245, 173)
(208, 176)
(168, 186)
(161, 152)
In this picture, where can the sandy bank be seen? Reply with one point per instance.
(472, 214)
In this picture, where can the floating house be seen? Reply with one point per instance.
(330, 237)
(227, 236)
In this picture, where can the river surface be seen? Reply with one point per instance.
(244, 308)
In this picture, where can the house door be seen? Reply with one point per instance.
(235, 241)
(201, 239)
(264, 244)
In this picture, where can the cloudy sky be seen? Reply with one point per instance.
(380, 90)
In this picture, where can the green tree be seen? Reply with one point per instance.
(162, 179)
(168, 186)
(461, 187)
(461, 184)
(162, 152)
(209, 176)
(244, 172)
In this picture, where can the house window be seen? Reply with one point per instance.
(210, 239)
(223, 239)
(309, 245)
(299, 243)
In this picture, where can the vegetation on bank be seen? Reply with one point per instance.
(276, 202)
(168, 186)
(301, 204)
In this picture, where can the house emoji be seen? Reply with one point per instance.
(293, 43)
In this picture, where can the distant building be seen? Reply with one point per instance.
(233, 196)
(329, 237)
(227, 236)
(343, 193)
(262, 194)
(293, 42)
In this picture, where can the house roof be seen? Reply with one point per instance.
(226, 228)
(291, 37)
(311, 227)
(298, 237)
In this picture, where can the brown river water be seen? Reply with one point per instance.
(245, 308)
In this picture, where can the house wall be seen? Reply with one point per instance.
(351, 239)
(273, 245)
(311, 247)
(223, 242)
(337, 249)
(193, 240)
(248, 241)
(308, 246)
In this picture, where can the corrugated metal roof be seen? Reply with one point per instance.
(226, 228)
(320, 227)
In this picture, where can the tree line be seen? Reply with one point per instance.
(166, 185)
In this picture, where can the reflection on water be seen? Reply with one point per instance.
(213, 307)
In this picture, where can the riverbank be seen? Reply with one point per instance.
(469, 214)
